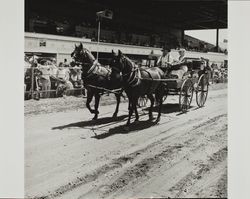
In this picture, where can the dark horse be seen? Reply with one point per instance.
(96, 78)
(139, 82)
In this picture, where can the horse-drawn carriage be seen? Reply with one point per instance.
(137, 81)
(194, 80)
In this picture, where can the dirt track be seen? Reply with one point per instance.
(69, 156)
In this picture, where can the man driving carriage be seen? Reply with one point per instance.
(165, 60)
(173, 68)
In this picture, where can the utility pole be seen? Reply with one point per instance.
(98, 37)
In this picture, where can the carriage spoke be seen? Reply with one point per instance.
(202, 91)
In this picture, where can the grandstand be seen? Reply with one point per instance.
(137, 28)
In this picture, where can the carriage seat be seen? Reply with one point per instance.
(178, 73)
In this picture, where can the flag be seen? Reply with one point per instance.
(108, 14)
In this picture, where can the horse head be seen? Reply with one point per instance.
(82, 56)
(118, 61)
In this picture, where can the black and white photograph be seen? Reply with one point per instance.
(125, 99)
(108, 99)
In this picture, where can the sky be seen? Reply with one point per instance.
(208, 35)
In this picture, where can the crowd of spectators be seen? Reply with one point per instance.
(44, 78)
(110, 32)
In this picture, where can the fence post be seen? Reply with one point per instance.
(32, 82)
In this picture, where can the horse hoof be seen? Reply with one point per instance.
(151, 118)
(136, 121)
(126, 128)
(114, 116)
(94, 118)
(157, 121)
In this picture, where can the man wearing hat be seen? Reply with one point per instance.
(182, 57)
(178, 73)
(165, 60)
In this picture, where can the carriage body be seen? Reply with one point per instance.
(196, 79)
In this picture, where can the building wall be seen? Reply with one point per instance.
(63, 46)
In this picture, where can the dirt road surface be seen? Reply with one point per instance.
(69, 156)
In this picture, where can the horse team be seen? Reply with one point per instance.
(124, 75)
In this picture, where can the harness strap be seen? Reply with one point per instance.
(148, 73)
(136, 80)
(92, 68)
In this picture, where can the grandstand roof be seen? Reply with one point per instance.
(180, 14)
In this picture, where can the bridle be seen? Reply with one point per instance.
(83, 55)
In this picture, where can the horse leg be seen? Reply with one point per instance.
(134, 106)
(97, 100)
(152, 100)
(130, 109)
(89, 99)
(159, 96)
(118, 99)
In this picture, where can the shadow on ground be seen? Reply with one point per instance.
(167, 108)
(123, 129)
(82, 124)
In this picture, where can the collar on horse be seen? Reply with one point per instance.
(92, 68)
(134, 76)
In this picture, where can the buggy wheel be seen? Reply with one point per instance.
(142, 101)
(202, 90)
(186, 95)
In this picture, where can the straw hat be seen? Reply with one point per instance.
(166, 48)
(181, 50)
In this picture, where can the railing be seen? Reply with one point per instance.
(60, 88)
(33, 88)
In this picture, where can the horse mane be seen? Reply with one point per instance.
(89, 53)
(130, 62)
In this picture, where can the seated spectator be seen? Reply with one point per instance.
(63, 74)
(66, 64)
(75, 74)
(76, 79)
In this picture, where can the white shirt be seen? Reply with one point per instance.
(164, 61)
(63, 73)
(46, 71)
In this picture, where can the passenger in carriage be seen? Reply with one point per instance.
(182, 57)
(182, 67)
